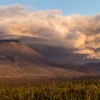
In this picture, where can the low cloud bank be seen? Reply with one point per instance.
(80, 34)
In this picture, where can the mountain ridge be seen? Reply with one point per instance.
(17, 59)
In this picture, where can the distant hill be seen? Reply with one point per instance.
(93, 66)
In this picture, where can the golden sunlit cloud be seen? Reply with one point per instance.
(80, 33)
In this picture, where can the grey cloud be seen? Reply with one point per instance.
(79, 34)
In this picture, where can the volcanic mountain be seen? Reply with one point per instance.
(18, 59)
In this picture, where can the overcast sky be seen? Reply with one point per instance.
(61, 31)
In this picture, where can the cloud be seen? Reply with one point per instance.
(80, 34)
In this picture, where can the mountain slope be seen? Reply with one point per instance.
(18, 60)
(93, 66)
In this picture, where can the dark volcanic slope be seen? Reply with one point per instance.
(93, 66)
(17, 59)
(17, 48)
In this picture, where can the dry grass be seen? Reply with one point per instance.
(59, 90)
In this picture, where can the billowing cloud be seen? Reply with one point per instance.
(80, 34)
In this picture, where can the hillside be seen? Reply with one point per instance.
(19, 60)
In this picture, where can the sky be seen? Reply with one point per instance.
(68, 7)
(61, 31)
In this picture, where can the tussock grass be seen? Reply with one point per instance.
(76, 90)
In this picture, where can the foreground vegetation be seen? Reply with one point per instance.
(76, 90)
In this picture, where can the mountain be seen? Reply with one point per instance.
(19, 60)
(94, 66)
(90, 69)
